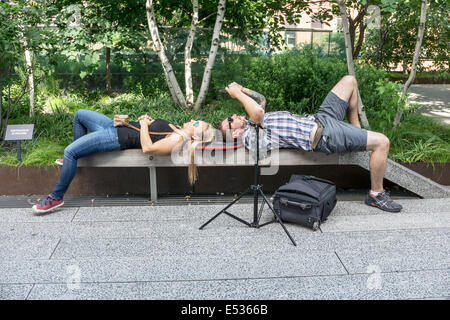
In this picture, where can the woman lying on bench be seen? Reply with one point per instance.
(155, 136)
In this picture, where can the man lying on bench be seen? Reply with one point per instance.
(324, 131)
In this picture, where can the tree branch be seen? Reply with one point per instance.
(212, 55)
(200, 21)
(412, 75)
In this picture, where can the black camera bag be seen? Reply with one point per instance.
(305, 200)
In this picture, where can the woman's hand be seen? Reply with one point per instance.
(145, 120)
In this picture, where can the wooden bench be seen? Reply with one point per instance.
(395, 172)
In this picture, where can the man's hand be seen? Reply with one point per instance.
(234, 89)
(254, 109)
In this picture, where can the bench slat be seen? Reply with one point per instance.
(240, 157)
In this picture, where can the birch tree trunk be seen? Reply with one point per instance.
(30, 76)
(412, 75)
(212, 55)
(172, 82)
(108, 70)
(187, 56)
(349, 53)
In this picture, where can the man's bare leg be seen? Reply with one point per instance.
(347, 90)
(378, 143)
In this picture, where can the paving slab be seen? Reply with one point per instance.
(14, 291)
(157, 213)
(167, 268)
(222, 226)
(13, 249)
(427, 241)
(406, 251)
(404, 285)
(165, 213)
(150, 229)
(394, 259)
(26, 215)
(346, 208)
(397, 221)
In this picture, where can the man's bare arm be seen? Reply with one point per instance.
(253, 108)
(258, 97)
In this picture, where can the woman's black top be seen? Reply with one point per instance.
(130, 138)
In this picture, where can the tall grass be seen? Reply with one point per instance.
(419, 138)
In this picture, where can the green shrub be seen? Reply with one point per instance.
(295, 81)
(149, 85)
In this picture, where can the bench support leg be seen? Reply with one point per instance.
(153, 185)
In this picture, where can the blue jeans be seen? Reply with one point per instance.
(102, 137)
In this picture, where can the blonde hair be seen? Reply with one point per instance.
(207, 136)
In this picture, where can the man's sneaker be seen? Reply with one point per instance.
(383, 201)
(47, 205)
(59, 162)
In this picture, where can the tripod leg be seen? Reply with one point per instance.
(277, 217)
(211, 220)
(260, 212)
(236, 218)
(224, 209)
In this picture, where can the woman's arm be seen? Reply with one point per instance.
(163, 146)
(146, 142)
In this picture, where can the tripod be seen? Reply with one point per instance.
(257, 191)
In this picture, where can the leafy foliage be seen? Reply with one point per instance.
(394, 42)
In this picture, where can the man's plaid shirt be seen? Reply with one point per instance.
(282, 129)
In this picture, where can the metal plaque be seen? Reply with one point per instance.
(19, 132)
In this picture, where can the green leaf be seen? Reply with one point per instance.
(116, 37)
(95, 58)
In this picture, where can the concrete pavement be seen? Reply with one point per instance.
(158, 252)
(434, 100)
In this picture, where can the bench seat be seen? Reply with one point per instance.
(395, 172)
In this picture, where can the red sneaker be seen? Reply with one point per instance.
(59, 162)
(47, 205)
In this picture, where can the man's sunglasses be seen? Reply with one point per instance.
(230, 121)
